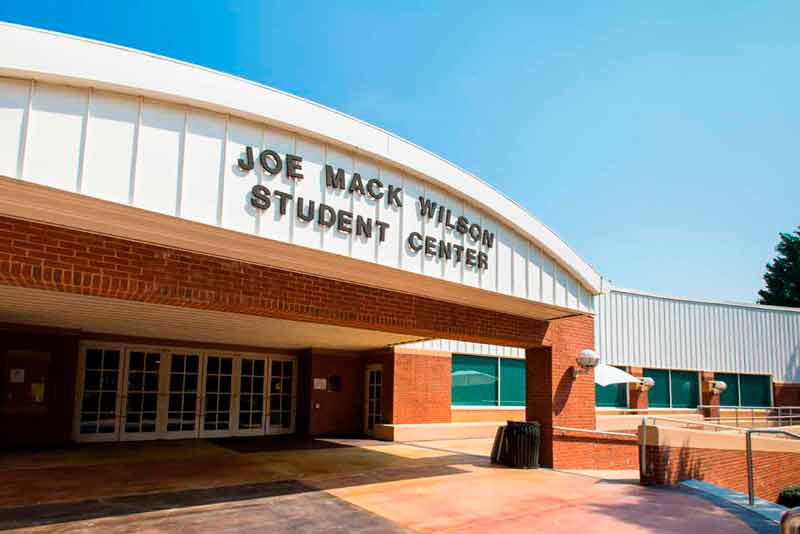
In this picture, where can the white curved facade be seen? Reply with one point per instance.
(152, 133)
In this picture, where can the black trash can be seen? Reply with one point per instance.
(517, 444)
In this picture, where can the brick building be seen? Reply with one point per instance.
(188, 254)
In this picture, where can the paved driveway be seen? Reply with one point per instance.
(359, 486)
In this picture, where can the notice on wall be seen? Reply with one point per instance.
(321, 383)
(16, 376)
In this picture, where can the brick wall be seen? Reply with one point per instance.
(421, 387)
(707, 396)
(553, 396)
(728, 468)
(40, 256)
(579, 450)
(786, 394)
(637, 398)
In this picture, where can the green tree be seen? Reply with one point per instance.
(783, 273)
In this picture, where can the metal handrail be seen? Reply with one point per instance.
(750, 432)
(690, 422)
(789, 413)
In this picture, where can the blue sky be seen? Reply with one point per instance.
(660, 140)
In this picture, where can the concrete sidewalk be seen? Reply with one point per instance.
(254, 485)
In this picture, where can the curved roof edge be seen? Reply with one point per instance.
(61, 58)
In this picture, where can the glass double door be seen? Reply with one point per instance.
(133, 394)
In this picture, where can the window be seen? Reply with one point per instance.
(729, 397)
(512, 382)
(673, 389)
(745, 390)
(685, 389)
(755, 390)
(611, 396)
(487, 381)
(658, 395)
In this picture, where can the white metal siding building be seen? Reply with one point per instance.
(638, 329)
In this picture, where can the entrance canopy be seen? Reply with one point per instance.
(101, 315)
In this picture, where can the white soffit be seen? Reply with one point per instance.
(102, 315)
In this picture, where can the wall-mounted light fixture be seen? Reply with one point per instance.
(717, 386)
(586, 360)
(645, 383)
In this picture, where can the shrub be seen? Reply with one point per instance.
(790, 496)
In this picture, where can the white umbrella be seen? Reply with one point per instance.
(605, 375)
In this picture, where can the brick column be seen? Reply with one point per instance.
(553, 397)
(707, 396)
(637, 398)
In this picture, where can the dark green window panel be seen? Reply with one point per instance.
(658, 395)
(685, 389)
(474, 381)
(729, 397)
(611, 396)
(512, 382)
(755, 390)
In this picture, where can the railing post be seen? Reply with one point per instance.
(643, 452)
(750, 495)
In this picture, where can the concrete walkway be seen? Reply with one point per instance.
(259, 485)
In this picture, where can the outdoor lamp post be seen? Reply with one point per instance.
(586, 360)
(717, 386)
(646, 383)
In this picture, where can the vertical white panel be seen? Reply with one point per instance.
(471, 275)
(412, 222)
(520, 268)
(55, 136)
(389, 252)
(504, 266)
(110, 141)
(363, 247)
(14, 97)
(202, 166)
(489, 276)
(432, 265)
(309, 189)
(237, 211)
(534, 272)
(159, 157)
(273, 224)
(453, 268)
(585, 299)
(561, 287)
(338, 199)
(572, 292)
(548, 280)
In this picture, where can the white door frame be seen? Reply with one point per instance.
(79, 385)
(268, 429)
(367, 369)
(160, 414)
(264, 393)
(233, 407)
(183, 434)
(166, 354)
